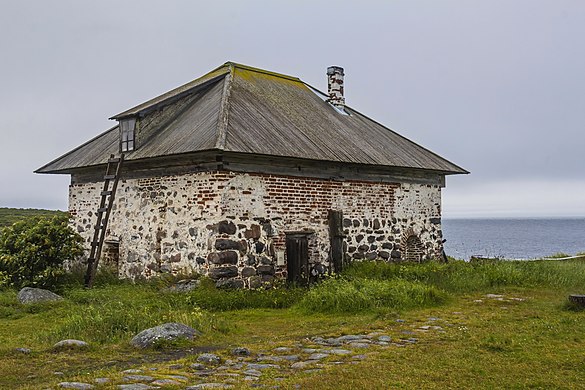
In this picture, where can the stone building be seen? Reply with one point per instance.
(246, 175)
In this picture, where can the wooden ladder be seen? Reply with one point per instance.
(103, 214)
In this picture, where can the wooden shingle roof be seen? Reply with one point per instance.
(236, 108)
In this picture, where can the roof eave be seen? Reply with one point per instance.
(44, 169)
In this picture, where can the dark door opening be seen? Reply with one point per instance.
(336, 236)
(297, 257)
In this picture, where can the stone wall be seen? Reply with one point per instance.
(232, 226)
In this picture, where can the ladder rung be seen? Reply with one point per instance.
(114, 160)
(99, 226)
(106, 193)
(95, 243)
(102, 210)
(109, 177)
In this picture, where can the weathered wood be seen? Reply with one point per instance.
(103, 214)
(297, 258)
(238, 162)
(335, 218)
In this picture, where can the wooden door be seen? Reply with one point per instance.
(336, 239)
(297, 258)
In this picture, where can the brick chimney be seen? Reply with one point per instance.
(335, 86)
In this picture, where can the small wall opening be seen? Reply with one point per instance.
(110, 256)
(413, 249)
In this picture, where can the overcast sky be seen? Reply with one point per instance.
(497, 87)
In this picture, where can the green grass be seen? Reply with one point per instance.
(358, 295)
(460, 277)
(10, 215)
(213, 299)
(533, 341)
(116, 313)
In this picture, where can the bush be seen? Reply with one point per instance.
(32, 251)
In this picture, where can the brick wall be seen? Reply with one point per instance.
(232, 225)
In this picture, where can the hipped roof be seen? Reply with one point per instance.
(237, 108)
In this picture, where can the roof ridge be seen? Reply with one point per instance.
(223, 117)
(259, 70)
(175, 93)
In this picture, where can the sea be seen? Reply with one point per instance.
(513, 238)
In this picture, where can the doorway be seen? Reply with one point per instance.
(297, 257)
(336, 236)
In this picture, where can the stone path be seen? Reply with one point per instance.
(240, 365)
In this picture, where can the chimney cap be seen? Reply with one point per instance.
(335, 69)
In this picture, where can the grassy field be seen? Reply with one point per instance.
(10, 215)
(485, 325)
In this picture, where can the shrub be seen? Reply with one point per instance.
(32, 251)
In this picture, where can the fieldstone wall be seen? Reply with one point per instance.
(231, 226)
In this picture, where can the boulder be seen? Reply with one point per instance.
(372, 255)
(248, 271)
(578, 300)
(169, 331)
(223, 244)
(34, 295)
(70, 344)
(226, 227)
(227, 257)
(388, 245)
(223, 272)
